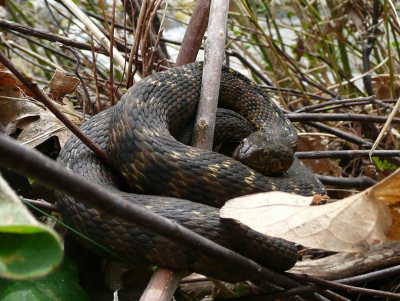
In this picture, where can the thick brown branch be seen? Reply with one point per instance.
(162, 284)
(194, 33)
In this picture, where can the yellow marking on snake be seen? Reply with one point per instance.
(193, 153)
(176, 155)
(251, 178)
(227, 164)
(214, 167)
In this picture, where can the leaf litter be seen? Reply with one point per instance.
(352, 224)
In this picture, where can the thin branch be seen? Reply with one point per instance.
(86, 100)
(371, 276)
(48, 36)
(361, 182)
(339, 117)
(346, 154)
(344, 287)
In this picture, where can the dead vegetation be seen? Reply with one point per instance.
(331, 65)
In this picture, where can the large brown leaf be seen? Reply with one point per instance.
(349, 225)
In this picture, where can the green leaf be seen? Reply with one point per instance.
(241, 289)
(384, 164)
(61, 284)
(28, 249)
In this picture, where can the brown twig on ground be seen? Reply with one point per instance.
(162, 284)
(359, 182)
(342, 265)
(42, 204)
(371, 276)
(300, 291)
(34, 88)
(344, 287)
(28, 162)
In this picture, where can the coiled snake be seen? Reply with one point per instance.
(186, 184)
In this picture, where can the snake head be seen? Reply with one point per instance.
(266, 157)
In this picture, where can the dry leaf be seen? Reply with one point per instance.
(37, 123)
(62, 84)
(324, 167)
(11, 86)
(350, 225)
(388, 191)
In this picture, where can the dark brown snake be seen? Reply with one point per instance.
(187, 185)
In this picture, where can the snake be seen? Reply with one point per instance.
(184, 184)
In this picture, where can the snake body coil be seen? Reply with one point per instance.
(137, 133)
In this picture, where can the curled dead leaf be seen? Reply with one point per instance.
(11, 86)
(62, 84)
(388, 191)
(350, 225)
(37, 123)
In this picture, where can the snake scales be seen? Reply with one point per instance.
(186, 184)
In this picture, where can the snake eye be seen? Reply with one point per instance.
(265, 153)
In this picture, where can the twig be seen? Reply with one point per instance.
(251, 67)
(162, 284)
(301, 291)
(367, 48)
(194, 33)
(78, 60)
(342, 265)
(339, 117)
(96, 32)
(29, 162)
(111, 51)
(136, 42)
(42, 204)
(344, 287)
(359, 182)
(203, 131)
(349, 102)
(34, 88)
(96, 82)
(33, 54)
(370, 276)
(48, 36)
(351, 154)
